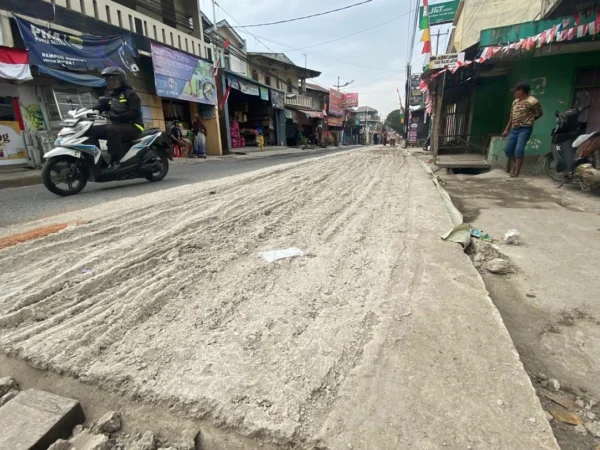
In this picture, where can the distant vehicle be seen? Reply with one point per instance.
(77, 159)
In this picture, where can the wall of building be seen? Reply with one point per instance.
(491, 94)
(275, 73)
(552, 81)
(478, 15)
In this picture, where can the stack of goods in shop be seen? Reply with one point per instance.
(251, 136)
(237, 141)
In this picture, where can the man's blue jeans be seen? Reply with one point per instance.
(517, 140)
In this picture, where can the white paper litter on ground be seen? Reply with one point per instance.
(274, 255)
(512, 237)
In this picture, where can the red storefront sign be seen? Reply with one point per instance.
(335, 102)
(335, 121)
(350, 100)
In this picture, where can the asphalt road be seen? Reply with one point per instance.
(24, 204)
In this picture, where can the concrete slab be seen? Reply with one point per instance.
(34, 419)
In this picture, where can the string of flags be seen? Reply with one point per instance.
(562, 32)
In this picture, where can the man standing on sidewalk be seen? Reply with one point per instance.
(526, 109)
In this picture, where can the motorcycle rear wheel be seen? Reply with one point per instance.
(550, 170)
(161, 171)
(65, 170)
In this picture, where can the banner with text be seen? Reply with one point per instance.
(440, 13)
(63, 51)
(350, 100)
(182, 76)
(335, 102)
(446, 61)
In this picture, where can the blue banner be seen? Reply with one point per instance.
(63, 51)
(182, 76)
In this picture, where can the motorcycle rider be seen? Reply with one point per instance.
(124, 111)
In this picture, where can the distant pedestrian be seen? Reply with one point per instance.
(176, 135)
(261, 142)
(526, 109)
(385, 137)
(200, 134)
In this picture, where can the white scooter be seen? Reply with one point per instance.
(77, 159)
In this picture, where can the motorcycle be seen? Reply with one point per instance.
(77, 159)
(564, 164)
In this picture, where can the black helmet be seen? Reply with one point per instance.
(115, 71)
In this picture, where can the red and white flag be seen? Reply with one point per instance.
(582, 30)
(14, 64)
(571, 34)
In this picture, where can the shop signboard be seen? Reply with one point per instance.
(249, 88)
(416, 96)
(350, 100)
(448, 60)
(182, 76)
(412, 136)
(277, 99)
(64, 51)
(440, 13)
(264, 94)
(335, 121)
(335, 102)
(12, 146)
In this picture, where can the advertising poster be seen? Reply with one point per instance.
(440, 13)
(182, 76)
(264, 93)
(63, 51)
(449, 60)
(350, 100)
(12, 146)
(277, 99)
(249, 88)
(335, 102)
(335, 121)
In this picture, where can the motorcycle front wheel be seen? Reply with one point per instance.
(161, 168)
(64, 175)
(550, 169)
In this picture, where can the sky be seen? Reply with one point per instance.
(375, 59)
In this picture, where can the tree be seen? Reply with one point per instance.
(392, 121)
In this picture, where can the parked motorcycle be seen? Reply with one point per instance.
(565, 164)
(77, 159)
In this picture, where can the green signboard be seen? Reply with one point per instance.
(440, 13)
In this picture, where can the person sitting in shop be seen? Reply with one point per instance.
(200, 134)
(176, 135)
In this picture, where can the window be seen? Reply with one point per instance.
(7, 111)
(95, 9)
(119, 18)
(82, 5)
(139, 27)
(587, 93)
(179, 42)
(164, 40)
(267, 80)
(187, 49)
(108, 15)
(62, 100)
(254, 75)
(131, 23)
(145, 28)
(155, 33)
(290, 86)
(193, 47)
(210, 58)
(172, 41)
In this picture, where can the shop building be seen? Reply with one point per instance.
(140, 25)
(302, 111)
(557, 56)
(370, 125)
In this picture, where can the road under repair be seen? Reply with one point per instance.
(382, 336)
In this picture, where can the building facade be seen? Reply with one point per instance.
(173, 28)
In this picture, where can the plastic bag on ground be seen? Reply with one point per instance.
(512, 237)
(274, 255)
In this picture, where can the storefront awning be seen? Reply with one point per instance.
(73, 78)
(312, 114)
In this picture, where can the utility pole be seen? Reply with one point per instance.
(406, 102)
(437, 40)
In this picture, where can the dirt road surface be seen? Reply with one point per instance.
(382, 336)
